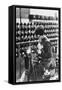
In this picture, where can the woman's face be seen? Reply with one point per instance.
(40, 39)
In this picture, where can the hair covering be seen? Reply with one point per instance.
(39, 30)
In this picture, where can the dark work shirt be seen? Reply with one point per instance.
(47, 50)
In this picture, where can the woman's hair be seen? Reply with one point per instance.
(39, 30)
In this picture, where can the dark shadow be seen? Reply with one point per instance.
(6, 81)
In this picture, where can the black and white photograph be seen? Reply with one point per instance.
(37, 45)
